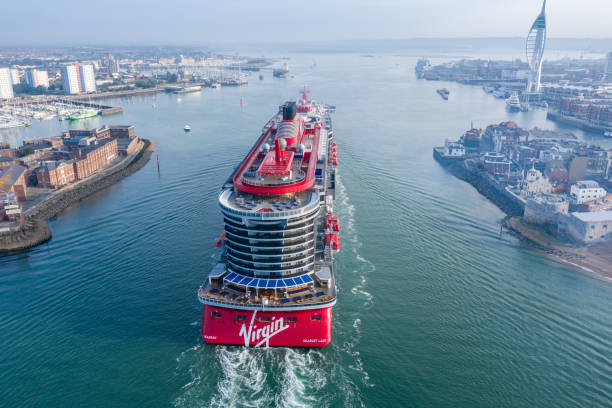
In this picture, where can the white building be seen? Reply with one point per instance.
(586, 190)
(608, 73)
(88, 78)
(70, 74)
(589, 227)
(453, 149)
(36, 78)
(536, 183)
(15, 76)
(6, 84)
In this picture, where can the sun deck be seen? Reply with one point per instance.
(239, 291)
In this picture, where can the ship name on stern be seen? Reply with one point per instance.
(262, 335)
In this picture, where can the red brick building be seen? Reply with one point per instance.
(12, 180)
(91, 159)
(55, 174)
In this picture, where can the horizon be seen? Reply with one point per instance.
(190, 22)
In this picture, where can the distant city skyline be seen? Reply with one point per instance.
(196, 22)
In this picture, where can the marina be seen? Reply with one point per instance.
(22, 113)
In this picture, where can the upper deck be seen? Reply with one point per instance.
(284, 159)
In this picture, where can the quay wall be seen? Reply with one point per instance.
(579, 123)
(469, 172)
(35, 231)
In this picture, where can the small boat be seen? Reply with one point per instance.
(187, 128)
(443, 93)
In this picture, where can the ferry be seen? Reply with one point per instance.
(84, 113)
(273, 282)
(513, 103)
(281, 72)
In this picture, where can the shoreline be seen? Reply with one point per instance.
(595, 259)
(35, 230)
(586, 258)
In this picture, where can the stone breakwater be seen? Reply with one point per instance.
(34, 229)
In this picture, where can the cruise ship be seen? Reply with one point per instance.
(273, 283)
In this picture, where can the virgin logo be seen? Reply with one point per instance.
(258, 336)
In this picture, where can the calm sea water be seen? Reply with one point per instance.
(435, 307)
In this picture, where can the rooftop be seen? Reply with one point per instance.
(598, 216)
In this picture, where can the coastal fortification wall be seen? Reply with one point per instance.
(35, 230)
(486, 186)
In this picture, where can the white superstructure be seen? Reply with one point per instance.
(6, 84)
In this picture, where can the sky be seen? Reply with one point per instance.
(201, 22)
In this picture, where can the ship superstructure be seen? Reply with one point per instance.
(274, 283)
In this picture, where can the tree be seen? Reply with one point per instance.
(171, 78)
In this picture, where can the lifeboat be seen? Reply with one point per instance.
(333, 224)
(332, 242)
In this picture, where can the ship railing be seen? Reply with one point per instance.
(298, 176)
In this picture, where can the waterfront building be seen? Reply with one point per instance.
(72, 81)
(15, 76)
(89, 159)
(36, 78)
(6, 84)
(536, 40)
(55, 174)
(590, 227)
(536, 183)
(12, 180)
(496, 163)
(586, 190)
(453, 149)
(545, 209)
(87, 78)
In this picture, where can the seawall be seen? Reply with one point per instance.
(485, 185)
(35, 231)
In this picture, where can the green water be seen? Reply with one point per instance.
(435, 308)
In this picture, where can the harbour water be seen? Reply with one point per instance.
(435, 307)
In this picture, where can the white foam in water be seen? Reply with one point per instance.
(360, 288)
(302, 380)
(244, 379)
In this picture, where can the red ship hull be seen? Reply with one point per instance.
(300, 328)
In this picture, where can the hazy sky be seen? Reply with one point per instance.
(208, 22)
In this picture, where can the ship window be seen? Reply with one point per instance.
(239, 317)
(292, 319)
(315, 317)
(265, 319)
(215, 314)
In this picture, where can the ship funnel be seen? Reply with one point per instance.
(278, 150)
(289, 111)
